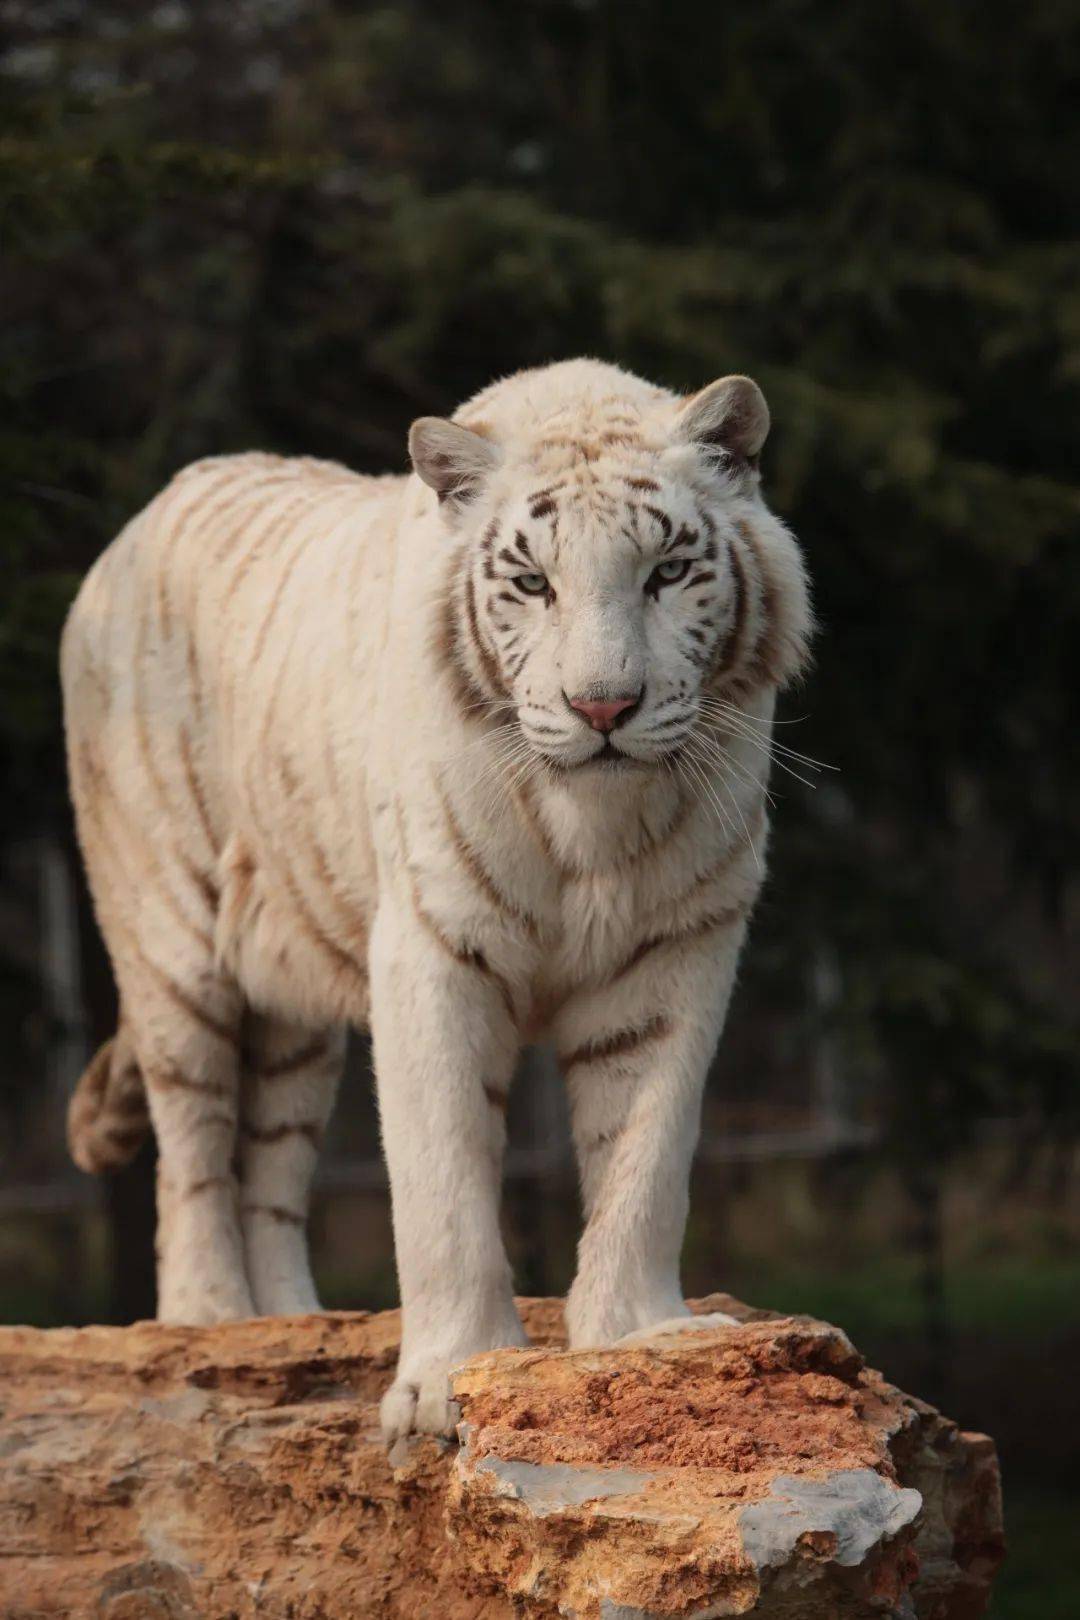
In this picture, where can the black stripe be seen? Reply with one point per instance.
(619, 1044)
(685, 936)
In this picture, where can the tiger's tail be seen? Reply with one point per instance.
(108, 1119)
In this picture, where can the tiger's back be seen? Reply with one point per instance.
(210, 666)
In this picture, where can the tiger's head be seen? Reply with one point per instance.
(615, 567)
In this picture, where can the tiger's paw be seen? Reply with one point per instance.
(678, 1324)
(419, 1405)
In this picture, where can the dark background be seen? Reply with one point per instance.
(297, 225)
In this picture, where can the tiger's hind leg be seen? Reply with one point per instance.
(184, 1024)
(291, 1077)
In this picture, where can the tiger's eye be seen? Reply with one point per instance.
(532, 584)
(667, 573)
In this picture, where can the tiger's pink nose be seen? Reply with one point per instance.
(602, 716)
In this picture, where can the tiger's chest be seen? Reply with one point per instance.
(602, 920)
(599, 918)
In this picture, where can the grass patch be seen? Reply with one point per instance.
(1041, 1576)
(1010, 1298)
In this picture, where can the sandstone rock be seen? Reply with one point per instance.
(156, 1473)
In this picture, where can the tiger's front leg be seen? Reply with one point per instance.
(635, 1056)
(445, 1044)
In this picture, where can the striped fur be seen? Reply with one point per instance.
(325, 773)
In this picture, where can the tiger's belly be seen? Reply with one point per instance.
(294, 933)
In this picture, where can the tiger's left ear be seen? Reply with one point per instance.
(453, 460)
(730, 416)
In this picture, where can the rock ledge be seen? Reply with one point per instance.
(156, 1473)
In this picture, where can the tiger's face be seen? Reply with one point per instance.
(616, 569)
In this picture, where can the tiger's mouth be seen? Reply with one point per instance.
(609, 757)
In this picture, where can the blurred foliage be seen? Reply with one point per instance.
(298, 225)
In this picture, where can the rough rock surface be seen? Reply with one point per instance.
(156, 1473)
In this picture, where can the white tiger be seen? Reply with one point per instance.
(475, 757)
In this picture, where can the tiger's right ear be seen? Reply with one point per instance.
(453, 460)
